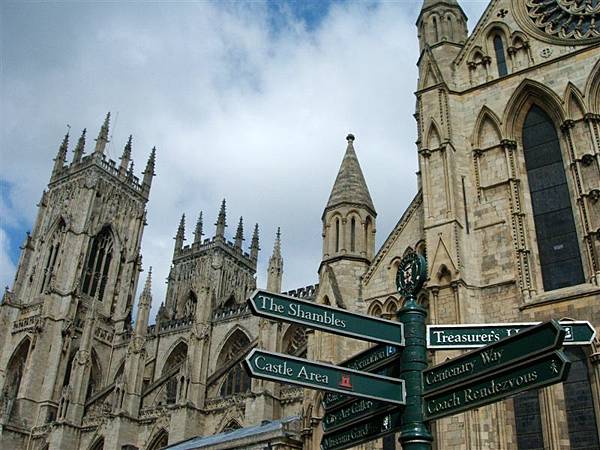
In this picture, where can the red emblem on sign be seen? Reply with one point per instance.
(346, 383)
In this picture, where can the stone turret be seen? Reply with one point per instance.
(221, 221)
(349, 217)
(180, 236)
(126, 156)
(441, 21)
(61, 157)
(149, 171)
(239, 234)
(198, 231)
(79, 148)
(254, 245)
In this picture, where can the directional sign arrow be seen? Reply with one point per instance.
(370, 360)
(463, 336)
(363, 432)
(546, 370)
(289, 369)
(334, 320)
(526, 344)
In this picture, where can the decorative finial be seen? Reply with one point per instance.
(239, 234)
(80, 147)
(221, 220)
(350, 137)
(198, 231)
(254, 248)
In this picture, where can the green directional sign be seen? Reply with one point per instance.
(546, 370)
(363, 432)
(334, 320)
(375, 359)
(463, 336)
(289, 369)
(353, 412)
(526, 344)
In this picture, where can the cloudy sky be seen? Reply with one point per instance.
(248, 101)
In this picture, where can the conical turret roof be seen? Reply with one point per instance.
(350, 185)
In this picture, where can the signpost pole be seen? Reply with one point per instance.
(414, 435)
(412, 273)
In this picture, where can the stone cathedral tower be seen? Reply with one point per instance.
(74, 286)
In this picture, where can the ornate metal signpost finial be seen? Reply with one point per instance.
(412, 273)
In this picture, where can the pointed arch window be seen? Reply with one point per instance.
(236, 382)
(436, 33)
(190, 305)
(96, 269)
(353, 235)
(337, 235)
(14, 375)
(500, 56)
(51, 258)
(558, 245)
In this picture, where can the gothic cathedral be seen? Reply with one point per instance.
(507, 213)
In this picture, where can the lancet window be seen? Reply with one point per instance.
(500, 56)
(97, 265)
(558, 245)
(52, 256)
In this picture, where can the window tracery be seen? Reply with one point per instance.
(98, 263)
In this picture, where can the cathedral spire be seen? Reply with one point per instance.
(221, 221)
(275, 270)
(102, 138)
(350, 186)
(180, 236)
(149, 171)
(126, 157)
(61, 156)
(79, 148)
(239, 234)
(254, 248)
(198, 231)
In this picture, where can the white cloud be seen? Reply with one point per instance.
(236, 110)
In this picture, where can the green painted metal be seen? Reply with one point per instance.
(334, 320)
(375, 359)
(414, 434)
(362, 432)
(546, 370)
(289, 369)
(527, 344)
(464, 336)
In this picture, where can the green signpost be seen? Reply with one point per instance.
(361, 405)
(342, 410)
(365, 431)
(375, 359)
(464, 336)
(326, 318)
(289, 369)
(507, 352)
(543, 371)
